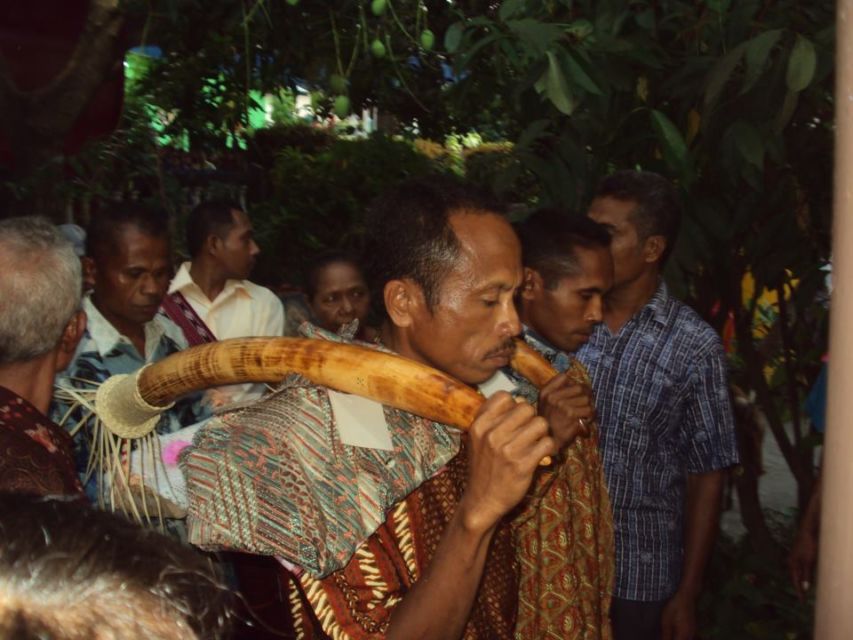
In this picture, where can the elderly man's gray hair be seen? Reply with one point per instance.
(40, 287)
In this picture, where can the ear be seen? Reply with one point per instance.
(212, 244)
(532, 284)
(71, 336)
(90, 271)
(403, 299)
(653, 248)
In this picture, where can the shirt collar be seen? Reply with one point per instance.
(656, 307)
(107, 338)
(183, 282)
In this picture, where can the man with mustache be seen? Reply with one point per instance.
(212, 297)
(445, 266)
(128, 255)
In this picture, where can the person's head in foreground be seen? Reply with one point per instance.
(567, 271)
(128, 252)
(68, 572)
(337, 291)
(643, 213)
(444, 264)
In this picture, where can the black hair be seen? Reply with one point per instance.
(549, 239)
(320, 262)
(101, 233)
(409, 233)
(213, 217)
(658, 210)
(71, 571)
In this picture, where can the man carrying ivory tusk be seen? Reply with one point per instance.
(445, 266)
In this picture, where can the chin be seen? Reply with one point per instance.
(475, 378)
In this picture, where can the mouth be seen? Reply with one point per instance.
(501, 356)
(148, 309)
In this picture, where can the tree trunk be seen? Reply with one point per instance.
(37, 122)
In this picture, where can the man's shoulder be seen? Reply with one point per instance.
(689, 325)
(261, 295)
(172, 338)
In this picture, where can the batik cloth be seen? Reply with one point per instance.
(664, 406)
(35, 453)
(357, 602)
(564, 537)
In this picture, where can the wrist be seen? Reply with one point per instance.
(474, 521)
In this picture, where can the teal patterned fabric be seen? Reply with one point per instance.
(275, 478)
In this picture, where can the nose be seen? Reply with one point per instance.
(595, 310)
(149, 286)
(254, 249)
(346, 305)
(510, 324)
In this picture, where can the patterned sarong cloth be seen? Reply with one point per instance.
(276, 479)
(565, 546)
(356, 602)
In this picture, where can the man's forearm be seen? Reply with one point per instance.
(704, 492)
(439, 604)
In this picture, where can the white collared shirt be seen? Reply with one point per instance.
(242, 309)
(107, 339)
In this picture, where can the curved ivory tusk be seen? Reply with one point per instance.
(386, 378)
(531, 364)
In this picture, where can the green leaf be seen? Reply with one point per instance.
(748, 143)
(757, 51)
(556, 87)
(577, 73)
(580, 29)
(789, 105)
(533, 132)
(646, 19)
(538, 36)
(509, 8)
(721, 72)
(453, 36)
(718, 6)
(673, 142)
(801, 65)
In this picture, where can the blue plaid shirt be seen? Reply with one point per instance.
(664, 411)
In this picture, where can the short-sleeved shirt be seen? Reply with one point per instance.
(664, 412)
(104, 352)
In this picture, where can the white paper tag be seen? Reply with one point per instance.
(498, 382)
(361, 422)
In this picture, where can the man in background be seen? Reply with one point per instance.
(211, 297)
(566, 546)
(667, 431)
(128, 254)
